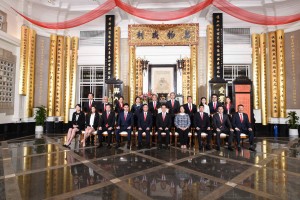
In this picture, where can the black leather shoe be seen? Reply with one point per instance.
(207, 147)
(252, 149)
(128, 146)
(239, 148)
(200, 148)
(218, 148)
(159, 147)
(230, 148)
(140, 146)
(100, 145)
(108, 146)
(148, 146)
(117, 146)
(167, 147)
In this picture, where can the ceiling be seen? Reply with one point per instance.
(61, 10)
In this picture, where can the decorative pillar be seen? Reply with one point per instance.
(23, 60)
(273, 75)
(186, 76)
(59, 76)
(139, 77)
(132, 74)
(210, 57)
(67, 76)
(256, 70)
(281, 73)
(51, 75)
(30, 73)
(74, 60)
(263, 73)
(194, 73)
(117, 50)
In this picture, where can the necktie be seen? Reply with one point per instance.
(164, 115)
(172, 103)
(241, 117)
(125, 116)
(215, 105)
(107, 115)
(145, 116)
(104, 107)
(201, 115)
(221, 118)
(190, 107)
(154, 105)
(90, 105)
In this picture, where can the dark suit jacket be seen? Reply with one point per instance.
(81, 120)
(125, 123)
(101, 107)
(151, 107)
(236, 122)
(198, 122)
(107, 122)
(86, 106)
(224, 125)
(167, 123)
(145, 124)
(173, 110)
(231, 109)
(96, 120)
(118, 108)
(211, 107)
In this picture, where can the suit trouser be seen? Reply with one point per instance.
(208, 138)
(99, 132)
(247, 132)
(118, 131)
(183, 136)
(227, 132)
(167, 135)
(140, 135)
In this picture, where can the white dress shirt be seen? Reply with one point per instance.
(92, 119)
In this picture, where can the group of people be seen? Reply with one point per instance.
(210, 118)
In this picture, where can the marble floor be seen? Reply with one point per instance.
(41, 168)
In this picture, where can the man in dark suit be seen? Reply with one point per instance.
(163, 123)
(202, 125)
(190, 109)
(87, 107)
(144, 125)
(241, 124)
(221, 124)
(214, 104)
(124, 123)
(102, 105)
(153, 107)
(173, 106)
(107, 123)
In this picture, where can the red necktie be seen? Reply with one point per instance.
(201, 115)
(190, 108)
(125, 116)
(107, 115)
(221, 118)
(164, 115)
(215, 105)
(145, 116)
(241, 117)
(154, 105)
(172, 103)
(90, 104)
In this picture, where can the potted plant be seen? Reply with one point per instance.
(293, 121)
(40, 117)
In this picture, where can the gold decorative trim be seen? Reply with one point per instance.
(23, 59)
(186, 79)
(67, 99)
(59, 76)
(256, 70)
(210, 57)
(138, 77)
(132, 74)
(194, 73)
(263, 73)
(117, 51)
(74, 60)
(51, 75)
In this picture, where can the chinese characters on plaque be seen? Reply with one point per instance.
(218, 44)
(109, 46)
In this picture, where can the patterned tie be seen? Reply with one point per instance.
(241, 117)
(145, 116)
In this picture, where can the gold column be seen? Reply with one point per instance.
(30, 73)
(59, 76)
(263, 73)
(186, 76)
(210, 56)
(273, 74)
(138, 78)
(51, 75)
(67, 87)
(117, 55)
(194, 73)
(23, 59)
(256, 70)
(132, 74)
(281, 73)
(73, 71)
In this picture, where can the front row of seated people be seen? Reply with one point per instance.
(141, 118)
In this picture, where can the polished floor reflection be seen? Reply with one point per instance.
(41, 168)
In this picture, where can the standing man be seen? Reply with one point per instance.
(241, 124)
(163, 124)
(202, 125)
(222, 124)
(124, 123)
(144, 125)
(102, 106)
(173, 106)
(214, 104)
(107, 123)
(87, 108)
(190, 109)
(153, 107)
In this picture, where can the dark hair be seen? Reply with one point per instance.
(220, 106)
(214, 95)
(189, 97)
(172, 93)
(108, 105)
(145, 105)
(182, 107)
(78, 105)
(203, 98)
(240, 105)
(91, 94)
(121, 97)
(126, 104)
(137, 98)
(163, 105)
(201, 105)
(154, 95)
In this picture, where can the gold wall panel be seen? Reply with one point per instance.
(194, 73)
(281, 72)
(138, 78)
(51, 75)
(23, 59)
(132, 74)
(256, 70)
(273, 74)
(263, 73)
(117, 51)
(210, 57)
(74, 60)
(186, 79)
(67, 75)
(163, 34)
(59, 76)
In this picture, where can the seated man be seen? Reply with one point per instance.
(144, 125)
(221, 124)
(202, 125)
(241, 124)
(124, 123)
(163, 124)
(107, 123)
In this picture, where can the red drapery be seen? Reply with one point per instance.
(223, 5)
